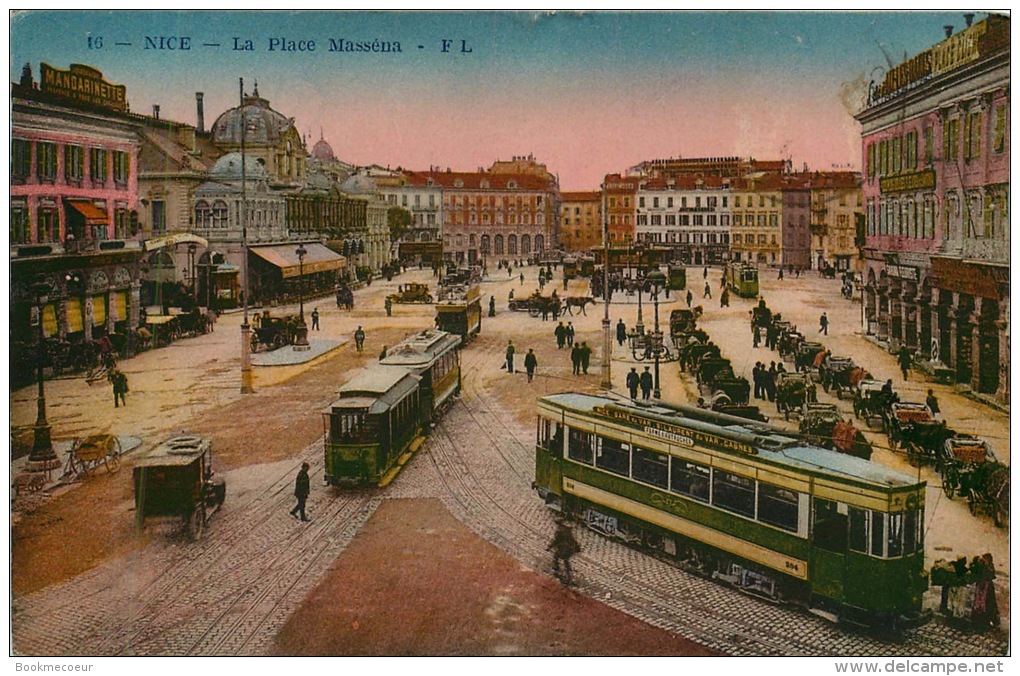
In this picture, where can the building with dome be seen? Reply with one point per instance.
(268, 135)
(322, 160)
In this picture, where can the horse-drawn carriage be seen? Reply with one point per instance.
(536, 304)
(840, 374)
(793, 391)
(788, 341)
(681, 322)
(808, 355)
(823, 425)
(709, 367)
(578, 302)
(273, 332)
(970, 468)
(899, 419)
(175, 482)
(871, 402)
(692, 353)
(412, 292)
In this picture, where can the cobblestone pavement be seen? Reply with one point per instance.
(230, 593)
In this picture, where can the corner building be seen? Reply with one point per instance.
(935, 143)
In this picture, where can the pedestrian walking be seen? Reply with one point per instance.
(563, 546)
(755, 335)
(522, 279)
(646, 384)
(704, 273)
(302, 487)
(708, 291)
(933, 404)
(585, 357)
(621, 332)
(510, 356)
(561, 336)
(780, 273)
(690, 297)
(382, 355)
(492, 306)
(823, 323)
(904, 358)
(120, 387)
(570, 333)
(359, 339)
(724, 299)
(575, 359)
(315, 319)
(530, 363)
(770, 382)
(633, 380)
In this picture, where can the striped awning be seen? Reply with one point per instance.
(93, 214)
(318, 259)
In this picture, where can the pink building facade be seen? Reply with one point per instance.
(935, 142)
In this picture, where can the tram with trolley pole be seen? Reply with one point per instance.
(742, 279)
(739, 502)
(381, 414)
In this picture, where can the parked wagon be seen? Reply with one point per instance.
(788, 342)
(174, 483)
(793, 390)
(834, 374)
(822, 424)
(969, 468)
(900, 418)
(273, 332)
(807, 354)
(871, 402)
(692, 354)
(730, 389)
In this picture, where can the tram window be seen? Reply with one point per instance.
(777, 507)
(829, 527)
(913, 539)
(690, 479)
(859, 530)
(579, 446)
(877, 533)
(613, 456)
(651, 467)
(733, 493)
(895, 535)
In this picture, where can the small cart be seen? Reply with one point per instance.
(174, 482)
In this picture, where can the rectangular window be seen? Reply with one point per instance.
(929, 143)
(656, 219)
(685, 219)
(651, 467)
(690, 479)
(950, 140)
(669, 202)
(911, 150)
(670, 219)
(46, 166)
(1000, 129)
(49, 225)
(777, 507)
(859, 530)
(828, 526)
(897, 155)
(877, 533)
(641, 202)
(894, 540)
(74, 163)
(21, 158)
(121, 166)
(733, 493)
(871, 159)
(972, 136)
(736, 201)
(97, 164)
(613, 456)
(158, 217)
(19, 225)
(655, 202)
(737, 238)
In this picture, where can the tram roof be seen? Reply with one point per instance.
(795, 455)
(375, 388)
(181, 450)
(421, 348)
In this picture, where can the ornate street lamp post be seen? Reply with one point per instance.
(658, 281)
(42, 457)
(301, 340)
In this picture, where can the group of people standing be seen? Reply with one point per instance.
(644, 381)
(765, 379)
(968, 592)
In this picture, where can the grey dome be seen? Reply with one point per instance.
(228, 168)
(265, 125)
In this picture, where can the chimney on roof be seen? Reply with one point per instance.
(26, 76)
(200, 104)
(155, 110)
(948, 29)
(969, 18)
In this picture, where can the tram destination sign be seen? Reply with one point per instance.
(83, 84)
(677, 434)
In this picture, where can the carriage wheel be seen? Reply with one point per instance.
(533, 311)
(1000, 511)
(254, 342)
(972, 505)
(196, 523)
(112, 459)
(950, 483)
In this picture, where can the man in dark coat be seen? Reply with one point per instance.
(621, 332)
(563, 546)
(756, 377)
(561, 336)
(770, 382)
(510, 356)
(633, 380)
(530, 363)
(315, 319)
(585, 356)
(120, 387)
(302, 486)
(575, 359)
(904, 359)
(359, 339)
(646, 384)
(570, 333)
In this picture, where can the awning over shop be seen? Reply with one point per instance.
(93, 214)
(318, 259)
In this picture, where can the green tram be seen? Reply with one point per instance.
(583, 266)
(677, 277)
(376, 423)
(739, 502)
(459, 310)
(742, 279)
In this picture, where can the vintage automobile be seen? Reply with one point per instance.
(174, 483)
(411, 292)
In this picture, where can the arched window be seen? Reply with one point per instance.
(219, 214)
(511, 245)
(485, 244)
(539, 244)
(525, 244)
(202, 214)
(499, 245)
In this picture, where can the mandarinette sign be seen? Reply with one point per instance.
(85, 85)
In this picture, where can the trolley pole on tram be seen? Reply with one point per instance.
(247, 382)
(607, 334)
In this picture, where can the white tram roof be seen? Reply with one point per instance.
(181, 450)
(789, 452)
(375, 388)
(422, 348)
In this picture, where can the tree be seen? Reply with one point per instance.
(399, 219)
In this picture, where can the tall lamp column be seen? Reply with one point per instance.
(658, 281)
(42, 457)
(301, 339)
